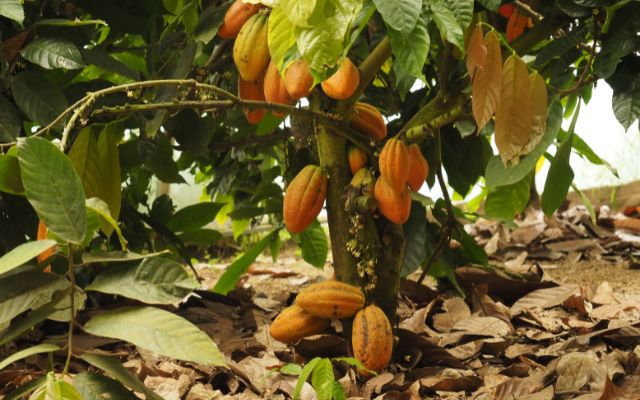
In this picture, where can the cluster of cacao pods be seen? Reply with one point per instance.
(317, 305)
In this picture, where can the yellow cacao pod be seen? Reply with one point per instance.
(395, 206)
(294, 323)
(235, 17)
(304, 198)
(368, 120)
(344, 82)
(298, 79)
(250, 50)
(331, 299)
(372, 338)
(418, 168)
(357, 158)
(394, 164)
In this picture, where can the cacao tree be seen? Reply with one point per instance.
(279, 109)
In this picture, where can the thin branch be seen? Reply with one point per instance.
(528, 11)
(583, 78)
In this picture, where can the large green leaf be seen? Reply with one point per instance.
(209, 22)
(9, 121)
(410, 49)
(12, 9)
(23, 253)
(299, 11)
(463, 11)
(314, 245)
(22, 391)
(400, 15)
(445, 19)
(93, 386)
(157, 330)
(415, 232)
(584, 150)
(194, 216)
(40, 99)
(626, 105)
(53, 188)
(29, 351)
(102, 210)
(280, 37)
(51, 53)
(86, 160)
(21, 325)
(304, 375)
(504, 202)
(154, 281)
(10, 175)
(559, 178)
(118, 256)
(109, 189)
(620, 40)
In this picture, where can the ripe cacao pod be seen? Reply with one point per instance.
(235, 17)
(394, 164)
(304, 198)
(42, 235)
(395, 206)
(298, 79)
(274, 89)
(252, 90)
(372, 339)
(418, 168)
(368, 120)
(357, 158)
(344, 82)
(363, 180)
(331, 299)
(250, 51)
(294, 323)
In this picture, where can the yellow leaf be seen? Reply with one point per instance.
(476, 52)
(540, 108)
(485, 90)
(514, 117)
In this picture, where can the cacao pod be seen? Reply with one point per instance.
(252, 90)
(395, 206)
(357, 158)
(250, 51)
(42, 235)
(368, 120)
(418, 168)
(274, 89)
(298, 79)
(394, 164)
(344, 82)
(331, 299)
(304, 198)
(372, 339)
(363, 180)
(294, 323)
(235, 17)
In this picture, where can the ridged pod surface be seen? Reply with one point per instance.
(394, 164)
(304, 198)
(274, 89)
(250, 50)
(357, 158)
(372, 338)
(294, 323)
(395, 206)
(368, 120)
(363, 180)
(235, 17)
(252, 90)
(331, 299)
(418, 168)
(298, 79)
(344, 82)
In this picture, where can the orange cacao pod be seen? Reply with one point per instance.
(250, 50)
(368, 120)
(274, 89)
(344, 82)
(364, 180)
(395, 206)
(394, 164)
(418, 168)
(42, 235)
(298, 79)
(304, 198)
(357, 158)
(372, 338)
(252, 90)
(331, 299)
(235, 17)
(294, 323)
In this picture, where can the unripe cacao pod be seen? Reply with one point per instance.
(331, 299)
(395, 206)
(298, 79)
(252, 90)
(357, 158)
(274, 89)
(42, 235)
(363, 180)
(344, 82)
(394, 164)
(372, 339)
(304, 198)
(250, 51)
(294, 323)
(235, 17)
(418, 168)
(368, 120)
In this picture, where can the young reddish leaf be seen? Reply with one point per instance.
(476, 52)
(514, 117)
(516, 24)
(487, 82)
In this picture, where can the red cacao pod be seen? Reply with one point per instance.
(395, 206)
(235, 17)
(252, 90)
(274, 89)
(344, 82)
(418, 168)
(298, 79)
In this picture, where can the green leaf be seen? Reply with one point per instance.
(21, 391)
(118, 256)
(37, 349)
(102, 209)
(445, 19)
(21, 325)
(12, 9)
(463, 11)
(232, 274)
(291, 369)
(626, 106)
(210, 20)
(154, 281)
(162, 163)
(55, 389)
(115, 369)
(86, 161)
(497, 175)
(470, 249)
(280, 37)
(504, 202)
(559, 178)
(51, 53)
(337, 391)
(10, 123)
(400, 15)
(40, 99)
(585, 151)
(159, 331)
(620, 40)
(299, 11)
(490, 4)
(23, 253)
(410, 49)
(314, 245)
(304, 375)
(201, 237)
(53, 188)
(322, 379)
(109, 189)
(10, 175)
(98, 387)
(415, 232)
(194, 216)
